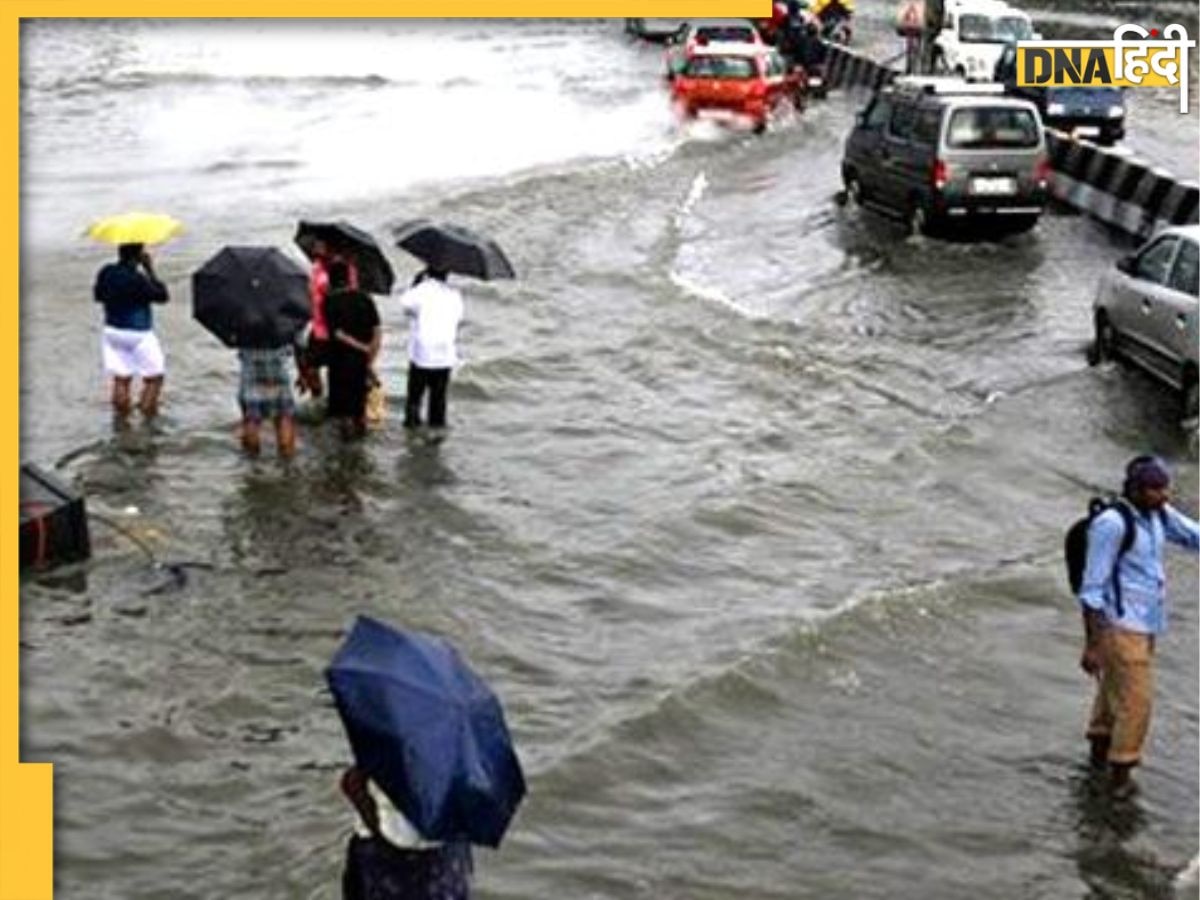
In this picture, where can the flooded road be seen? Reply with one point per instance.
(751, 510)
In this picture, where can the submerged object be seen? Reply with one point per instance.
(54, 526)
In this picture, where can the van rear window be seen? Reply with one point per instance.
(981, 127)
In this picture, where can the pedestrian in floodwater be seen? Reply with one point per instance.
(265, 394)
(313, 355)
(355, 336)
(127, 288)
(1124, 611)
(436, 310)
(388, 859)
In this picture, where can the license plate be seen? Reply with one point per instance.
(718, 114)
(993, 187)
(815, 82)
(1088, 131)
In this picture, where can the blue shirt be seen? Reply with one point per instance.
(1143, 580)
(127, 293)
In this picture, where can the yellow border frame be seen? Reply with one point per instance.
(27, 789)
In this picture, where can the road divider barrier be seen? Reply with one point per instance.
(1122, 191)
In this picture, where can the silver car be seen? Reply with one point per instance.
(1146, 311)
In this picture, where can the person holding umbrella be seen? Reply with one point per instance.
(255, 299)
(435, 770)
(315, 352)
(354, 341)
(436, 310)
(325, 243)
(126, 289)
(388, 858)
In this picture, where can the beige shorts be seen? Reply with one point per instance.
(1124, 694)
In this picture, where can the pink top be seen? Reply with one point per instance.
(318, 287)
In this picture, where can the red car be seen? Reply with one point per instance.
(746, 82)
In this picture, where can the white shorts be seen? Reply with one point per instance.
(129, 353)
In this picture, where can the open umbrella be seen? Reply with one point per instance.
(251, 297)
(135, 228)
(375, 275)
(452, 248)
(428, 731)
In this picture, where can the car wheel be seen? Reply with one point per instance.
(1190, 401)
(1104, 346)
(760, 125)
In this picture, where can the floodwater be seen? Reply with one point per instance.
(751, 508)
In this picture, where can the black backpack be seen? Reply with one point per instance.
(1075, 545)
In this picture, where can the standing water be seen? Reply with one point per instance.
(750, 510)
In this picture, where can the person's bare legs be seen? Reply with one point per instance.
(251, 436)
(285, 436)
(121, 400)
(151, 391)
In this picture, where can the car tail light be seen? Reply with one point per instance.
(758, 90)
(940, 174)
(1041, 172)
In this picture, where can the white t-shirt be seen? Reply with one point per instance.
(436, 310)
(396, 829)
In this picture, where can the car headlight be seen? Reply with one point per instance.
(1115, 112)
(1055, 109)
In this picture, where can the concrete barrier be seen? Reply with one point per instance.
(1122, 191)
(850, 71)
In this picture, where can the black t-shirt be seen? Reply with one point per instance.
(354, 313)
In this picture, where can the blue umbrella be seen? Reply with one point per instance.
(428, 731)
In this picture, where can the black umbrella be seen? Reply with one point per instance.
(452, 248)
(375, 275)
(251, 297)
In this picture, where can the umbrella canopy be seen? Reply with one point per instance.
(375, 275)
(251, 297)
(428, 731)
(452, 248)
(135, 228)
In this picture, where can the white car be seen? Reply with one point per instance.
(1147, 307)
(707, 32)
(974, 34)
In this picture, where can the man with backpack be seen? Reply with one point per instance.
(1123, 595)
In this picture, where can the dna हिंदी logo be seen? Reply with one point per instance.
(1134, 57)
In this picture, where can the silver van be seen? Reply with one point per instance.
(1146, 311)
(938, 151)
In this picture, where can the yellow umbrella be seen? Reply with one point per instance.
(135, 228)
